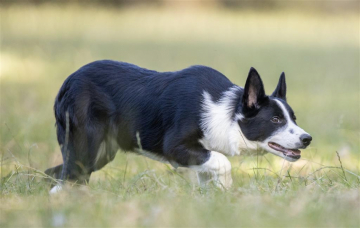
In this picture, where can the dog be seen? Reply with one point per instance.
(190, 118)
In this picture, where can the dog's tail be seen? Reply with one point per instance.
(55, 172)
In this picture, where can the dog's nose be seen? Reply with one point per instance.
(306, 139)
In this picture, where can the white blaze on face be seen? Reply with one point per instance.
(289, 135)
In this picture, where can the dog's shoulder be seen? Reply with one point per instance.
(204, 72)
(203, 78)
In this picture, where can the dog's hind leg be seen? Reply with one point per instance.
(79, 155)
(72, 169)
(80, 159)
(54, 172)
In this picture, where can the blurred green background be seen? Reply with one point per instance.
(315, 43)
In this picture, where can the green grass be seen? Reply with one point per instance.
(41, 46)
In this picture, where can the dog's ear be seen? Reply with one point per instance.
(280, 91)
(254, 92)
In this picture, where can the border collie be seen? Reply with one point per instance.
(190, 118)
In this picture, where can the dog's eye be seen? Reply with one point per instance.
(276, 119)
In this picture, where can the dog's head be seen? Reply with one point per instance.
(269, 120)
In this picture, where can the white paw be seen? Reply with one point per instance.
(225, 180)
(55, 189)
(216, 169)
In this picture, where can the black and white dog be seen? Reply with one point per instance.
(190, 118)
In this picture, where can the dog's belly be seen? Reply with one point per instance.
(153, 156)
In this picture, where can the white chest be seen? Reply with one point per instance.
(222, 132)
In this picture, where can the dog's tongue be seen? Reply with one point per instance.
(287, 152)
(292, 152)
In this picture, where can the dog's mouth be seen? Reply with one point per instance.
(291, 153)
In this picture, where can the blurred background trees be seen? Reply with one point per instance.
(350, 5)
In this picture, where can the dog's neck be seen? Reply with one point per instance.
(222, 132)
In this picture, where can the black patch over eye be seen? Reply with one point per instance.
(276, 119)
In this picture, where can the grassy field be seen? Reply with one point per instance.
(319, 52)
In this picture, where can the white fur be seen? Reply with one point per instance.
(55, 189)
(222, 133)
(283, 137)
(217, 169)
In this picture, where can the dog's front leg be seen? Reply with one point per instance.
(217, 170)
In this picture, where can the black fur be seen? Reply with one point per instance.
(250, 125)
(114, 100)
(280, 91)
